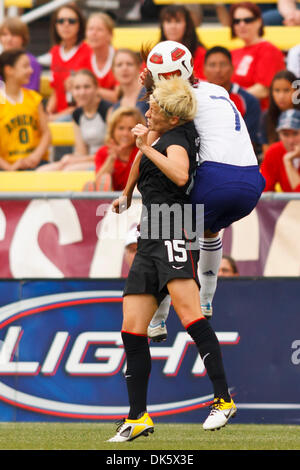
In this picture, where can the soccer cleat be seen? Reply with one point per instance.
(130, 429)
(220, 413)
(157, 333)
(207, 310)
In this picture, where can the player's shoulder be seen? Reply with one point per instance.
(203, 88)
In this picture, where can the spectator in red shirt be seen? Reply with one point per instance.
(258, 61)
(99, 34)
(69, 54)
(176, 24)
(282, 159)
(114, 160)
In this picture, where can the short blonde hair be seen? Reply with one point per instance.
(175, 97)
(117, 115)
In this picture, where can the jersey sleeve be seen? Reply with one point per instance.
(176, 137)
(76, 115)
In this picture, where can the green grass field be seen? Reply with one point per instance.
(93, 436)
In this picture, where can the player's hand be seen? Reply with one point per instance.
(120, 204)
(141, 132)
(142, 76)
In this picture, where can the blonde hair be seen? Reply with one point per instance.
(105, 18)
(117, 115)
(176, 98)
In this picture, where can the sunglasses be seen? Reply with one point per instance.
(248, 20)
(66, 20)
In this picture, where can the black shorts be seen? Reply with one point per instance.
(159, 261)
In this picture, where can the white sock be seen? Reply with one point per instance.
(211, 250)
(162, 312)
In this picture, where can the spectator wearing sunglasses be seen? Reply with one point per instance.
(69, 54)
(256, 63)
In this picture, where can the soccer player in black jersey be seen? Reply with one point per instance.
(166, 265)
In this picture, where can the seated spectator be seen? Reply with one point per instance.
(69, 54)
(14, 34)
(126, 67)
(256, 63)
(293, 60)
(287, 13)
(273, 167)
(114, 160)
(176, 24)
(281, 99)
(291, 162)
(228, 267)
(25, 136)
(218, 69)
(89, 120)
(99, 34)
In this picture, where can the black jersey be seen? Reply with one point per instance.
(154, 186)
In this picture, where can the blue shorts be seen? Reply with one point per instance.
(228, 192)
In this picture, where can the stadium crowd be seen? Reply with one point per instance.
(97, 88)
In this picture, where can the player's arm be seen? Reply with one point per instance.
(175, 166)
(124, 201)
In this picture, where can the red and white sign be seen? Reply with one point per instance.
(83, 238)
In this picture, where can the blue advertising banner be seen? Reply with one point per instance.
(62, 358)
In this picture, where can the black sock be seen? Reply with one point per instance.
(137, 372)
(209, 349)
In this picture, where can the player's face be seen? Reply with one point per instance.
(245, 30)
(122, 133)
(290, 138)
(174, 28)
(125, 68)
(218, 69)
(67, 24)
(22, 70)
(84, 90)
(97, 34)
(10, 41)
(156, 118)
(282, 92)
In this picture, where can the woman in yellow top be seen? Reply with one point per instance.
(24, 132)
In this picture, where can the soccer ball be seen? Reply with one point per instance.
(169, 58)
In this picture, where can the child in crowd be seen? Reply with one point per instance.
(25, 136)
(14, 34)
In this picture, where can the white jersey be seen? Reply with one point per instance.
(223, 133)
